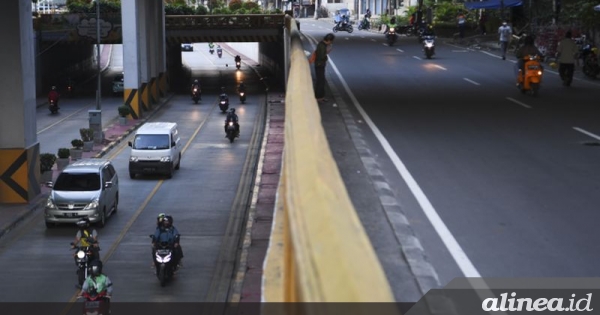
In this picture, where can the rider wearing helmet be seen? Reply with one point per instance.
(223, 95)
(97, 282)
(196, 85)
(231, 116)
(527, 49)
(53, 95)
(242, 87)
(87, 237)
(166, 232)
(238, 58)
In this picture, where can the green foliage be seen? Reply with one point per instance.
(64, 153)
(447, 12)
(201, 10)
(222, 10)
(235, 5)
(47, 160)
(241, 11)
(250, 5)
(178, 9)
(124, 110)
(77, 143)
(87, 134)
(87, 6)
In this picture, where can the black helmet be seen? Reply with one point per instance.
(196, 81)
(54, 88)
(232, 110)
(83, 223)
(96, 267)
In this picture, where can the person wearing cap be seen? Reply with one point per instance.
(505, 33)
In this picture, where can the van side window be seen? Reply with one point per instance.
(105, 176)
(111, 172)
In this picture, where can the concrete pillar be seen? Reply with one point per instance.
(19, 147)
(151, 36)
(144, 25)
(131, 53)
(162, 48)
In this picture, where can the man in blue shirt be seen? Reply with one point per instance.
(166, 232)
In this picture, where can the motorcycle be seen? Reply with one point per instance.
(364, 24)
(231, 132)
(343, 27)
(590, 61)
(238, 65)
(95, 303)
(429, 46)
(53, 106)
(529, 82)
(219, 52)
(211, 51)
(163, 262)
(242, 96)
(196, 95)
(223, 104)
(83, 258)
(391, 36)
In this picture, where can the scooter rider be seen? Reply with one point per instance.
(231, 116)
(97, 281)
(223, 95)
(527, 49)
(242, 87)
(196, 85)
(53, 95)
(238, 58)
(343, 21)
(166, 232)
(87, 237)
(219, 50)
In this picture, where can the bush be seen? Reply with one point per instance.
(201, 10)
(124, 111)
(47, 160)
(178, 9)
(87, 134)
(64, 153)
(77, 143)
(235, 5)
(250, 5)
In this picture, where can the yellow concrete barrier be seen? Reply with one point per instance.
(319, 251)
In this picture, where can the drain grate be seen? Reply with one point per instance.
(591, 143)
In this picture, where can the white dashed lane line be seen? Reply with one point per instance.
(400, 50)
(471, 81)
(587, 133)
(417, 58)
(517, 102)
(440, 67)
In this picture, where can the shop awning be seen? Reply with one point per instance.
(492, 4)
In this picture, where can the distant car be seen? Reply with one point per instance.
(187, 47)
(338, 14)
(118, 84)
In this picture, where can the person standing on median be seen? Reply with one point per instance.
(505, 33)
(323, 49)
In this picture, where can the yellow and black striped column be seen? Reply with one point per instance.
(154, 90)
(162, 84)
(131, 97)
(19, 174)
(146, 102)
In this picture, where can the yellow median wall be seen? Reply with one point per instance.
(319, 251)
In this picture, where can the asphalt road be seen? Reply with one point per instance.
(493, 183)
(38, 265)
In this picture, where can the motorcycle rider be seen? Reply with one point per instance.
(232, 116)
(566, 54)
(53, 96)
(211, 46)
(87, 237)
(97, 281)
(166, 232)
(527, 49)
(238, 59)
(368, 13)
(391, 24)
(219, 50)
(196, 85)
(223, 95)
(242, 87)
(343, 21)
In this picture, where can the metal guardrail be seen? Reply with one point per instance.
(184, 22)
(319, 251)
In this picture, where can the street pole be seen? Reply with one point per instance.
(98, 53)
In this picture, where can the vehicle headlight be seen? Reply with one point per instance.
(540, 72)
(80, 254)
(242, 93)
(222, 102)
(165, 159)
(195, 90)
(429, 45)
(133, 159)
(50, 203)
(231, 123)
(92, 205)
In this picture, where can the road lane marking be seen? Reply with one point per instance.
(440, 67)
(490, 54)
(372, 39)
(471, 81)
(418, 58)
(400, 50)
(461, 51)
(61, 120)
(517, 102)
(587, 133)
(455, 250)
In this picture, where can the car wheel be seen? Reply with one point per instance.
(102, 221)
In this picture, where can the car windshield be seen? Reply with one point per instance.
(77, 182)
(151, 142)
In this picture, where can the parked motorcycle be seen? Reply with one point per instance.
(223, 104)
(530, 80)
(391, 36)
(590, 61)
(231, 132)
(347, 27)
(83, 258)
(429, 46)
(196, 95)
(53, 106)
(95, 303)
(163, 261)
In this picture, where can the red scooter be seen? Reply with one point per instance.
(96, 303)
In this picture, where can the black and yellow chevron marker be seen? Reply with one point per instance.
(144, 92)
(19, 174)
(131, 100)
(153, 90)
(162, 84)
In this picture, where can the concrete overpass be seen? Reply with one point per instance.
(151, 45)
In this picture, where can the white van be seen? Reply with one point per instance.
(156, 148)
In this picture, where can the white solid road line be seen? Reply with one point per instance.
(417, 58)
(587, 133)
(459, 255)
(440, 67)
(517, 102)
(490, 54)
(471, 81)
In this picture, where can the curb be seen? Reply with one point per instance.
(38, 203)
